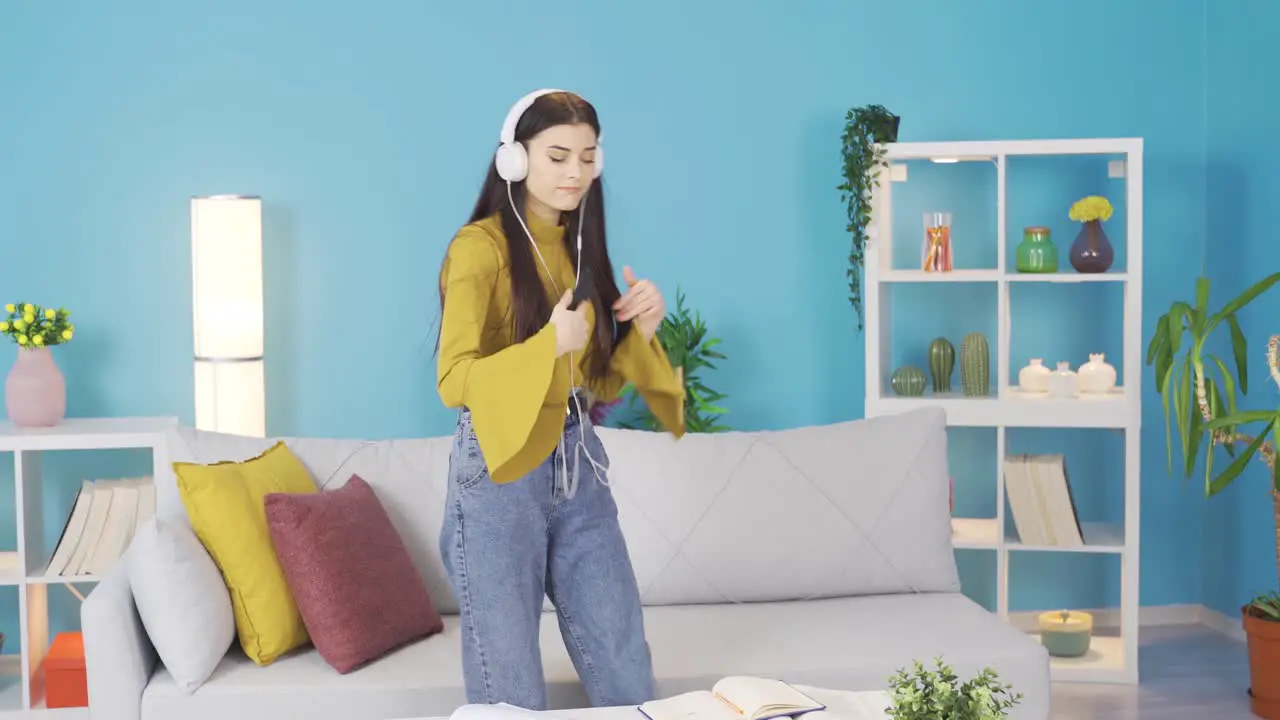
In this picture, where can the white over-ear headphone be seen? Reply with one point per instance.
(512, 159)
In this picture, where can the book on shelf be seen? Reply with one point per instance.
(1044, 509)
(737, 697)
(102, 522)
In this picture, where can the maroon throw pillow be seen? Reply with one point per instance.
(357, 589)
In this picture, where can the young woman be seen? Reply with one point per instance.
(529, 511)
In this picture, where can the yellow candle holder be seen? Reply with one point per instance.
(1066, 633)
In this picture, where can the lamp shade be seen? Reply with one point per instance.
(227, 308)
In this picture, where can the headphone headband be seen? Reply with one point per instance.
(517, 111)
(511, 159)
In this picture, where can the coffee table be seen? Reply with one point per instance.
(842, 704)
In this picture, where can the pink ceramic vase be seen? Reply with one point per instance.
(35, 393)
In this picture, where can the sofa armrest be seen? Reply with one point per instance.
(118, 655)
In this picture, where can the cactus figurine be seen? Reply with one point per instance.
(942, 360)
(975, 365)
(908, 381)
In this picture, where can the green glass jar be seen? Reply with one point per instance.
(1037, 253)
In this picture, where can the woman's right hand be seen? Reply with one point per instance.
(571, 325)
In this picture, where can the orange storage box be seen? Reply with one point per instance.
(64, 678)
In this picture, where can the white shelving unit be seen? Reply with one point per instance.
(22, 675)
(1111, 659)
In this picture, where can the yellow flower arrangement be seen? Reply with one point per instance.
(1094, 207)
(32, 326)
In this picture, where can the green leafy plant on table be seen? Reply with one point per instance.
(939, 694)
(1199, 394)
(683, 335)
(866, 130)
(32, 326)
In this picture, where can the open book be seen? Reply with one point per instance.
(737, 697)
(859, 705)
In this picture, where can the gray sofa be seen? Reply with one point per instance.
(821, 555)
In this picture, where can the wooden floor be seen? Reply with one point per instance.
(1188, 672)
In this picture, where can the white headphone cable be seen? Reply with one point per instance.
(570, 481)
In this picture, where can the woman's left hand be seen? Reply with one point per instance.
(643, 303)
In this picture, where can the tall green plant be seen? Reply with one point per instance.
(683, 335)
(1182, 379)
(866, 129)
(1198, 400)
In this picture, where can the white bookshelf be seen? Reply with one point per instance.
(1112, 659)
(22, 674)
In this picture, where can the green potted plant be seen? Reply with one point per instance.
(938, 694)
(1198, 391)
(683, 335)
(866, 131)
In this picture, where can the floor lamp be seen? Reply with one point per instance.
(226, 266)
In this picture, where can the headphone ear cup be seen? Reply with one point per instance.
(599, 165)
(512, 162)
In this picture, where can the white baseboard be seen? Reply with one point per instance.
(1225, 624)
(1109, 618)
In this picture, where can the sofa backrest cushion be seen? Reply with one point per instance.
(852, 508)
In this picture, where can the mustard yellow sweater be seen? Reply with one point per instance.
(518, 392)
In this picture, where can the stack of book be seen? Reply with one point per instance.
(101, 525)
(1039, 492)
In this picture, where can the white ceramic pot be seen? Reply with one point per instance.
(1096, 377)
(1034, 378)
(1062, 384)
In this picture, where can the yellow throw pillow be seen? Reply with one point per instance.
(225, 503)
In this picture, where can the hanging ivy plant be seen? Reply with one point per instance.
(866, 130)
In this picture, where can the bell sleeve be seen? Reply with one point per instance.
(646, 366)
(504, 390)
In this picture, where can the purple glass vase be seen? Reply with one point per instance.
(1092, 251)
(35, 393)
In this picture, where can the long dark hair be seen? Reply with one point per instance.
(531, 308)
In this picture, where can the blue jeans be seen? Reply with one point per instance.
(506, 546)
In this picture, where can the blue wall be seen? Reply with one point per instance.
(367, 131)
(1243, 157)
